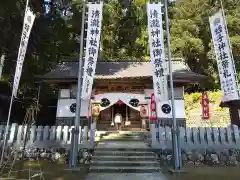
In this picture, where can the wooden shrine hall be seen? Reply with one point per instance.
(120, 87)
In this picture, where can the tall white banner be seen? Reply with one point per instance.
(92, 47)
(27, 26)
(156, 44)
(224, 57)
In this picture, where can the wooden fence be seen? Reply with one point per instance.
(196, 138)
(44, 136)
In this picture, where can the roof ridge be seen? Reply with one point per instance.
(126, 61)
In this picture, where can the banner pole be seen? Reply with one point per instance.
(230, 45)
(10, 108)
(79, 94)
(175, 139)
(6, 130)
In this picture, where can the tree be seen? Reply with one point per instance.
(191, 37)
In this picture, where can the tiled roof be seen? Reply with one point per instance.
(116, 70)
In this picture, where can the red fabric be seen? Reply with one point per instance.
(153, 115)
(119, 102)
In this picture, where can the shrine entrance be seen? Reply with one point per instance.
(125, 104)
(131, 120)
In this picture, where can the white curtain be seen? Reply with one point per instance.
(124, 97)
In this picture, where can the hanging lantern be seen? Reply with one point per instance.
(96, 111)
(143, 111)
(153, 115)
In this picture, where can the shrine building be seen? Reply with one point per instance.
(119, 87)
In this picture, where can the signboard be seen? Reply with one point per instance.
(92, 47)
(156, 45)
(205, 106)
(224, 57)
(27, 26)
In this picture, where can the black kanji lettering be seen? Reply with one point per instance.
(218, 29)
(221, 46)
(154, 13)
(95, 22)
(225, 64)
(89, 71)
(223, 55)
(159, 72)
(95, 14)
(154, 23)
(157, 52)
(219, 37)
(93, 41)
(90, 61)
(92, 51)
(26, 27)
(226, 73)
(158, 62)
(156, 43)
(94, 31)
(158, 88)
(155, 33)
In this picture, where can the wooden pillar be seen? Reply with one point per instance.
(126, 113)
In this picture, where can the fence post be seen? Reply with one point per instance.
(39, 133)
(33, 134)
(236, 136)
(46, 133)
(13, 129)
(85, 134)
(71, 148)
(59, 134)
(92, 134)
(65, 134)
(153, 135)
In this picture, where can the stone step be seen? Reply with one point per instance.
(121, 139)
(124, 158)
(123, 153)
(125, 163)
(112, 169)
(124, 149)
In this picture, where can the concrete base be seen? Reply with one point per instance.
(73, 169)
(177, 171)
(77, 169)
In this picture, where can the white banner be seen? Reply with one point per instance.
(156, 44)
(27, 26)
(92, 47)
(224, 57)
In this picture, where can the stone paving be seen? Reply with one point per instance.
(126, 176)
(132, 144)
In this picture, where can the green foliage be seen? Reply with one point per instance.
(55, 36)
(219, 116)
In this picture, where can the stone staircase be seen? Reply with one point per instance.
(124, 153)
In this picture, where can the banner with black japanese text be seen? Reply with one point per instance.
(156, 45)
(92, 47)
(224, 57)
(27, 26)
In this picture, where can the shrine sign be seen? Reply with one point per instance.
(205, 106)
(92, 47)
(156, 45)
(224, 57)
(29, 18)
